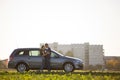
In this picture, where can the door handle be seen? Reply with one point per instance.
(29, 58)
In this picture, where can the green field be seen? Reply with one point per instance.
(33, 75)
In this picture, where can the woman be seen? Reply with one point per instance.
(42, 52)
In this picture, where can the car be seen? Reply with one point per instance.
(25, 59)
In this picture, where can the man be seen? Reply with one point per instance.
(47, 57)
(42, 53)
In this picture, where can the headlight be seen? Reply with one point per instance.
(76, 61)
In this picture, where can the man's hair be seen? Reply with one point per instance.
(46, 43)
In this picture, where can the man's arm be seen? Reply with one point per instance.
(48, 51)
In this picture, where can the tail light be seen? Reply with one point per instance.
(11, 58)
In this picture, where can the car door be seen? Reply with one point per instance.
(21, 56)
(35, 59)
(56, 61)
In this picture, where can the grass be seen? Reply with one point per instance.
(81, 75)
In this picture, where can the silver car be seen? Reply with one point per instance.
(24, 59)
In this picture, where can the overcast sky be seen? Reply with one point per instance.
(27, 23)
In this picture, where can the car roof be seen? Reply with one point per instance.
(27, 49)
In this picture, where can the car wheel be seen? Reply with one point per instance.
(68, 67)
(27, 70)
(22, 67)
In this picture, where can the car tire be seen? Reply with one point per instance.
(27, 69)
(68, 67)
(22, 67)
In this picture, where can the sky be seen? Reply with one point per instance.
(27, 23)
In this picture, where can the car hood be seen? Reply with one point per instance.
(73, 58)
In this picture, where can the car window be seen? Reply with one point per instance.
(34, 53)
(53, 54)
(21, 53)
(57, 53)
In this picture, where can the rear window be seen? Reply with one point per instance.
(22, 53)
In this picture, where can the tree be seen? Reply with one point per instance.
(60, 51)
(95, 67)
(0, 64)
(113, 64)
(69, 53)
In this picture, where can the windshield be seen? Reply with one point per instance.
(58, 53)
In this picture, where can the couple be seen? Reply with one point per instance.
(45, 52)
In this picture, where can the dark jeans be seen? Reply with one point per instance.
(43, 63)
(47, 63)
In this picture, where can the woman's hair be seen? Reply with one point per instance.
(42, 46)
